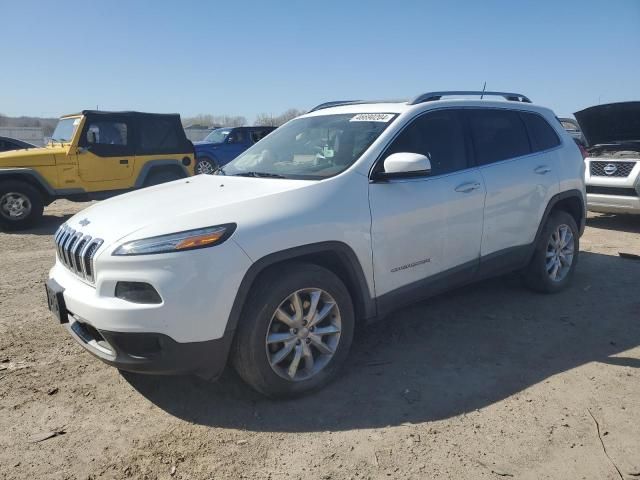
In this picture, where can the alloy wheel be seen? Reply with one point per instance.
(205, 166)
(303, 334)
(560, 252)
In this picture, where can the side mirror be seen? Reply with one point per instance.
(405, 165)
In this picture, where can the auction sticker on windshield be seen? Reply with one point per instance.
(372, 117)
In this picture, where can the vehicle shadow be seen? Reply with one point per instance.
(47, 225)
(619, 223)
(452, 354)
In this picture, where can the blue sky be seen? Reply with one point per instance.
(250, 57)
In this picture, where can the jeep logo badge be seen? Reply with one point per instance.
(84, 222)
(610, 169)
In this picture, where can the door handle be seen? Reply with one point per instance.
(542, 169)
(468, 187)
(124, 161)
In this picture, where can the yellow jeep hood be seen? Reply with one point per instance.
(31, 157)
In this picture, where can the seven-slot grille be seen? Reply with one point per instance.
(76, 251)
(604, 169)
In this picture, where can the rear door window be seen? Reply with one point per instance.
(542, 135)
(497, 135)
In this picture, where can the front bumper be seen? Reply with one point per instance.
(188, 332)
(613, 203)
(151, 353)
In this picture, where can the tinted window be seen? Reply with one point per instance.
(542, 136)
(497, 135)
(160, 135)
(238, 135)
(438, 135)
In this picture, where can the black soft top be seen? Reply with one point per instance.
(126, 113)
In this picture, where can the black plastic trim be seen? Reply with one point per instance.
(150, 165)
(159, 354)
(348, 258)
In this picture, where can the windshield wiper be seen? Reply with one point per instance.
(258, 175)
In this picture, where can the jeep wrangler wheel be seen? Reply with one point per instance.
(206, 166)
(556, 254)
(21, 205)
(295, 331)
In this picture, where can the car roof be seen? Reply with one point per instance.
(402, 107)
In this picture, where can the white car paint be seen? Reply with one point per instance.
(428, 225)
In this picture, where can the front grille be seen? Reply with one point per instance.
(611, 169)
(76, 251)
(624, 192)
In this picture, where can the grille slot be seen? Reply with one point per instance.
(622, 169)
(76, 251)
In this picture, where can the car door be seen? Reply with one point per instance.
(106, 150)
(429, 227)
(519, 181)
(236, 142)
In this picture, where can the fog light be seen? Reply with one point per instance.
(137, 292)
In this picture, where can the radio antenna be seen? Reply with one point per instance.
(484, 87)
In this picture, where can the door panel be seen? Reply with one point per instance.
(428, 225)
(518, 191)
(423, 227)
(106, 150)
(519, 183)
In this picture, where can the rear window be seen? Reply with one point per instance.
(497, 135)
(542, 135)
(160, 135)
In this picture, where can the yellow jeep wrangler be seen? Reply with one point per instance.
(91, 156)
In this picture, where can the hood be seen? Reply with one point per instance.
(31, 157)
(196, 202)
(610, 123)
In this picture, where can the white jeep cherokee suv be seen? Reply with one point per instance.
(338, 217)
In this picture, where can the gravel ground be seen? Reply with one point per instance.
(489, 381)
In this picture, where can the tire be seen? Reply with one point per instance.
(21, 205)
(252, 357)
(539, 273)
(205, 165)
(162, 176)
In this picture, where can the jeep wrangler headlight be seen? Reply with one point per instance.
(177, 242)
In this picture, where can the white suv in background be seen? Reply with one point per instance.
(613, 156)
(336, 218)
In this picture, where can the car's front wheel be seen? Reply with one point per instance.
(295, 332)
(206, 166)
(21, 205)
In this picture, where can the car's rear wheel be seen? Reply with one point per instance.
(556, 254)
(21, 205)
(295, 332)
(206, 166)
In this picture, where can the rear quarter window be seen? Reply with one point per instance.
(542, 135)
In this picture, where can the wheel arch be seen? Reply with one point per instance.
(336, 257)
(570, 201)
(154, 166)
(30, 177)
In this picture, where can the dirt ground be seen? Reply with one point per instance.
(489, 381)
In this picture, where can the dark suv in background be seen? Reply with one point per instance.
(224, 144)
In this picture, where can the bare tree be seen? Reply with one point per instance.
(269, 120)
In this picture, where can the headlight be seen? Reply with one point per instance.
(177, 242)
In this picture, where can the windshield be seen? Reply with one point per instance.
(65, 129)
(218, 135)
(311, 148)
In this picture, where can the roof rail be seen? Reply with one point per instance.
(335, 103)
(432, 96)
